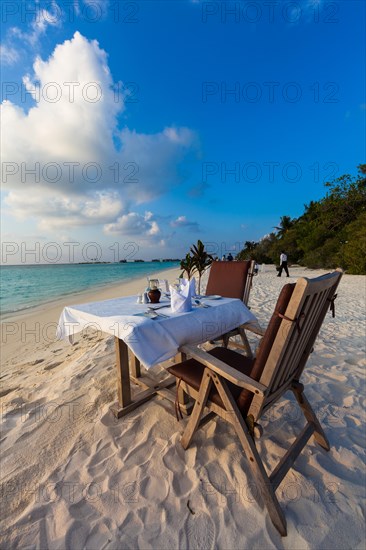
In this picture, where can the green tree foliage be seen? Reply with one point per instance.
(261, 252)
(187, 266)
(353, 250)
(201, 260)
(196, 261)
(285, 225)
(330, 233)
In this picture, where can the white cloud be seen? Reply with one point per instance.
(41, 20)
(8, 55)
(182, 221)
(133, 224)
(60, 162)
(62, 210)
(155, 158)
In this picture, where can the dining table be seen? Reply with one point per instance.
(150, 334)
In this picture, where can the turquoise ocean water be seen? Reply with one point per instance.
(26, 286)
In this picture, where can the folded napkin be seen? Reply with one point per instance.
(191, 284)
(181, 300)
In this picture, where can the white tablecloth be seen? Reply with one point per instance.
(155, 340)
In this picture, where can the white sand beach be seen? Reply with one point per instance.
(74, 477)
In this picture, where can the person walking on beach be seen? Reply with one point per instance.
(283, 264)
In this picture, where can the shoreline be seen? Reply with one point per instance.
(36, 327)
(97, 289)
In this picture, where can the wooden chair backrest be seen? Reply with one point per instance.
(231, 279)
(289, 338)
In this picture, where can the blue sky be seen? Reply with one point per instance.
(158, 123)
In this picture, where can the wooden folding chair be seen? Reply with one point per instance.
(232, 280)
(240, 389)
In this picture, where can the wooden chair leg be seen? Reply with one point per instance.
(245, 342)
(261, 478)
(259, 473)
(225, 340)
(185, 402)
(319, 434)
(197, 412)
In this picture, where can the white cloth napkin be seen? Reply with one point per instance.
(191, 284)
(181, 300)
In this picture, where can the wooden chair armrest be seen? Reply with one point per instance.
(255, 328)
(224, 370)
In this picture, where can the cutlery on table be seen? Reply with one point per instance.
(200, 304)
(152, 315)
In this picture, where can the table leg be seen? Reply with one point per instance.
(123, 373)
(125, 404)
(135, 366)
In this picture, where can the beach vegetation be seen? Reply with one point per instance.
(197, 260)
(187, 266)
(330, 233)
(201, 260)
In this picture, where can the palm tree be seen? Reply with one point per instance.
(285, 224)
(250, 245)
(187, 266)
(201, 260)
